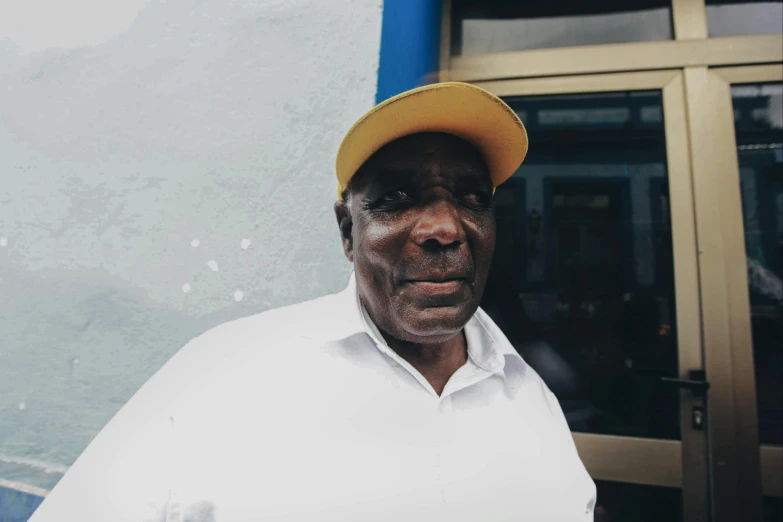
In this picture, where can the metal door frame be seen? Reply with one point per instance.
(695, 72)
(673, 463)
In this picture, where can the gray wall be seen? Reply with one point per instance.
(204, 133)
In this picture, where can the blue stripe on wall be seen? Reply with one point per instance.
(410, 46)
(17, 506)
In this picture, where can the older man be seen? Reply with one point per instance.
(396, 399)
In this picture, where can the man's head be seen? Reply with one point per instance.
(415, 179)
(417, 222)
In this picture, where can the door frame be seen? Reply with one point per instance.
(739, 469)
(674, 463)
(763, 464)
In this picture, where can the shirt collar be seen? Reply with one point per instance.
(488, 348)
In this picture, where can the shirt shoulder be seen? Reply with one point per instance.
(527, 387)
(130, 464)
(551, 409)
(259, 343)
(316, 320)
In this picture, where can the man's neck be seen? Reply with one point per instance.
(436, 362)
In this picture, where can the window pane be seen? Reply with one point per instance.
(758, 121)
(502, 25)
(738, 17)
(582, 281)
(619, 501)
(773, 509)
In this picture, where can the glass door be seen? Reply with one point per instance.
(749, 147)
(595, 282)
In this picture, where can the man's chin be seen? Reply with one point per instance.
(437, 324)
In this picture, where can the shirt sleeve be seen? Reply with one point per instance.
(565, 432)
(558, 416)
(123, 475)
(128, 472)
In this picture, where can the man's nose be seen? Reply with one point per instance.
(439, 224)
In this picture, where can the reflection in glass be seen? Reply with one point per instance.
(758, 122)
(773, 509)
(582, 279)
(744, 17)
(489, 26)
(621, 502)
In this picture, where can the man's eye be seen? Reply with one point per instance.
(396, 196)
(475, 199)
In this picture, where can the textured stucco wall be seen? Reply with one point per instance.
(194, 149)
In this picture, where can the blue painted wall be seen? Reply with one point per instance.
(410, 45)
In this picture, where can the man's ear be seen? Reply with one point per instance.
(345, 223)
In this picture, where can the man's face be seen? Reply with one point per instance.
(419, 227)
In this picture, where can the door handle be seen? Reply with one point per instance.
(696, 383)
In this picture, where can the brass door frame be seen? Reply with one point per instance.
(674, 463)
(638, 56)
(699, 71)
(767, 460)
(691, 47)
(719, 236)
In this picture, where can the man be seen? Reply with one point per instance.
(396, 399)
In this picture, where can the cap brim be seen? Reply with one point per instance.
(461, 109)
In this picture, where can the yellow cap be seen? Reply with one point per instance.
(466, 111)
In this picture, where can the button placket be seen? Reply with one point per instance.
(444, 404)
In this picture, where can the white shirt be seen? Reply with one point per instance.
(305, 414)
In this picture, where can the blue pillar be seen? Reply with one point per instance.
(410, 46)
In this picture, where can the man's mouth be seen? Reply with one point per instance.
(437, 278)
(439, 284)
